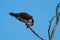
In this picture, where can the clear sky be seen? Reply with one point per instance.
(41, 10)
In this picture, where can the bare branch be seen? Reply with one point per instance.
(57, 21)
(50, 26)
(36, 33)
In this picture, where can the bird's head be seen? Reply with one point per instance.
(29, 23)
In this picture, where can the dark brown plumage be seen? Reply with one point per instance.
(24, 17)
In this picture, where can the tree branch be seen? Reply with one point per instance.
(50, 26)
(36, 33)
(56, 23)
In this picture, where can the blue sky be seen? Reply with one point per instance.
(41, 10)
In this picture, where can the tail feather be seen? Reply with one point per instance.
(12, 14)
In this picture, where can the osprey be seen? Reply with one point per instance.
(24, 17)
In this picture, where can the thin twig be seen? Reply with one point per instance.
(57, 21)
(36, 33)
(50, 26)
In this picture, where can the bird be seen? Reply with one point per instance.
(24, 17)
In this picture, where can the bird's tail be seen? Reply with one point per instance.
(12, 14)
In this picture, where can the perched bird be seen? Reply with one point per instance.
(27, 19)
(24, 17)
